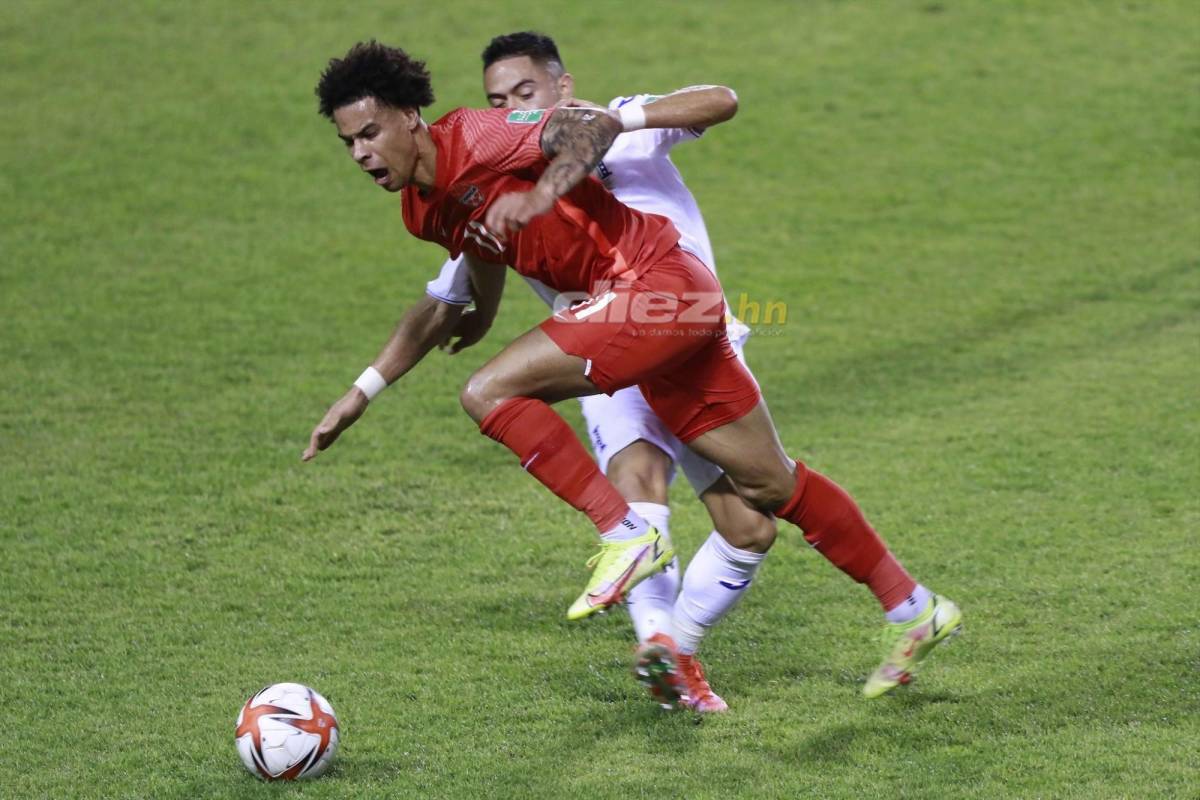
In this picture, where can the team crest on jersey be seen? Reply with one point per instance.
(468, 194)
(525, 117)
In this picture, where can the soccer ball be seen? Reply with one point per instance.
(285, 732)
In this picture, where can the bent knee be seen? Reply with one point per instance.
(480, 395)
(754, 532)
(640, 472)
(767, 495)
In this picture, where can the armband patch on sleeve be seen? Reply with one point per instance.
(525, 117)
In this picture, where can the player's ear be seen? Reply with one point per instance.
(412, 118)
(566, 86)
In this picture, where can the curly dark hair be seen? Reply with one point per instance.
(372, 69)
(538, 46)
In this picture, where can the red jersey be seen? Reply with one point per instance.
(589, 236)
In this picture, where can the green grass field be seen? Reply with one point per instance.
(984, 219)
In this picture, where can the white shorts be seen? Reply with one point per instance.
(615, 422)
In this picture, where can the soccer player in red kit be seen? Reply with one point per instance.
(513, 188)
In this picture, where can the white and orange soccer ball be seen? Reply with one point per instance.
(287, 732)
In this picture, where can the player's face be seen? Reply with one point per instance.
(522, 83)
(381, 140)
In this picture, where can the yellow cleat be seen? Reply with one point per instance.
(618, 567)
(909, 643)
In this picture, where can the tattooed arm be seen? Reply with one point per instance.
(574, 139)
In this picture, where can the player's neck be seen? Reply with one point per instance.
(425, 174)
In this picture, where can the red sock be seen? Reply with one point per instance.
(550, 451)
(834, 525)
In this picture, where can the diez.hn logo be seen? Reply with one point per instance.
(620, 302)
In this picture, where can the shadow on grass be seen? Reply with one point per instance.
(918, 699)
(833, 744)
(876, 723)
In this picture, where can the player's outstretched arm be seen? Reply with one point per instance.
(696, 107)
(574, 139)
(427, 323)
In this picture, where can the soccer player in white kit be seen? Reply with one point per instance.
(633, 447)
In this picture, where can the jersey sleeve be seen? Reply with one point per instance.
(507, 141)
(665, 138)
(453, 284)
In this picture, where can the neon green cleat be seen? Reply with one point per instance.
(618, 567)
(908, 643)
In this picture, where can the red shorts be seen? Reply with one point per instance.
(664, 332)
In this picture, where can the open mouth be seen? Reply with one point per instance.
(380, 175)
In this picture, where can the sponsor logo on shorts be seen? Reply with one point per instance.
(597, 441)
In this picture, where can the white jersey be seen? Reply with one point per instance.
(638, 170)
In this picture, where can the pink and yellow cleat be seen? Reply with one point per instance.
(617, 568)
(908, 644)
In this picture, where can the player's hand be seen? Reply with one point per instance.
(341, 415)
(575, 102)
(470, 329)
(512, 212)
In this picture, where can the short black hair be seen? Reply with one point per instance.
(372, 69)
(538, 46)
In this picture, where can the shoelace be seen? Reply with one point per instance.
(892, 628)
(694, 674)
(605, 547)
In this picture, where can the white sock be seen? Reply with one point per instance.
(631, 527)
(912, 606)
(713, 583)
(651, 601)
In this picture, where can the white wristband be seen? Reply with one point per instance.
(633, 118)
(371, 382)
